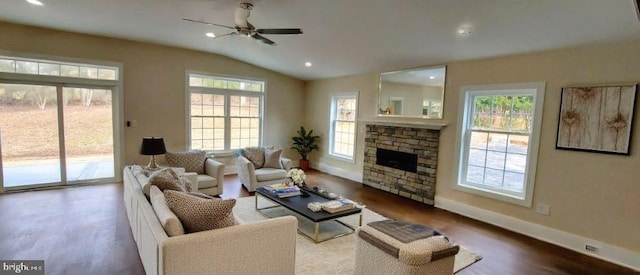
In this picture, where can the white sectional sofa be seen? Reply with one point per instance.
(264, 247)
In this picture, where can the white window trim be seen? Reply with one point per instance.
(332, 114)
(532, 157)
(227, 93)
(36, 58)
(116, 87)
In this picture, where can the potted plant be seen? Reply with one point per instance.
(304, 143)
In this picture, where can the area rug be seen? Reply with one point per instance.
(334, 256)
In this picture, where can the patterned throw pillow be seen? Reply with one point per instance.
(166, 179)
(255, 155)
(272, 158)
(192, 161)
(199, 214)
(202, 195)
(185, 184)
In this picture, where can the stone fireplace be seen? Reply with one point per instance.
(402, 159)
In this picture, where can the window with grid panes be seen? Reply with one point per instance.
(225, 113)
(56, 68)
(499, 136)
(343, 125)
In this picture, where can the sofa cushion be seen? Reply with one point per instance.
(266, 174)
(206, 181)
(166, 179)
(168, 219)
(255, 155)
(272, 158)
(200, 214)
(192, 161)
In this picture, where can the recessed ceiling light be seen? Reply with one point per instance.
(35, 2)
(432, 77)
(308, 64)
(210, 34)
(464, 31)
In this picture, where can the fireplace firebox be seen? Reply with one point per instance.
(398, 160)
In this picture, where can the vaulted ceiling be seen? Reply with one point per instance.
(346, 37)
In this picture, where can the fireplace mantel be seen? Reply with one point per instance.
(431, 125)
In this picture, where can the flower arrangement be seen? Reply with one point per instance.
(297, 176)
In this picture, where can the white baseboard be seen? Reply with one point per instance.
(336, 171)
(607, 252)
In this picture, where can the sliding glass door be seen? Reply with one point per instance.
(29, 136)
(54, 135)
(88, 133)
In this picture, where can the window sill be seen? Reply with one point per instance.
(341, 158)
(521, 201)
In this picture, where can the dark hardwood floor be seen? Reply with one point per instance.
(84, 230)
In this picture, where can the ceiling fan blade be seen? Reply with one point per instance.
(263, 39)
(279, 31)
(226, 34)
(207, 23)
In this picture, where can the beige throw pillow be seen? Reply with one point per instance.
(166, 179)
(199, 214)
(192, 161)
(272, 158)
(168, 219)
(255, 155)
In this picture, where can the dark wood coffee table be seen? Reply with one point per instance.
(298, 205)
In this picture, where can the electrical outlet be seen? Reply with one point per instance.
(591, 248)
(543, 209)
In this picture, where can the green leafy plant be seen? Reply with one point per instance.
(305, 142)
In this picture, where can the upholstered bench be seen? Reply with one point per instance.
(395, 247)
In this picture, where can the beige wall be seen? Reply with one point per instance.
(318, 102)
(154, 83)
(591, 195)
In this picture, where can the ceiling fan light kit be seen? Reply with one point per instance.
(243, 27)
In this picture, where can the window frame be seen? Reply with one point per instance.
(332, 122)
(465, 124)
(227, 93)
(39, 62)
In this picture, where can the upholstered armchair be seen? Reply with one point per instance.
(258, 167)
(210, 173)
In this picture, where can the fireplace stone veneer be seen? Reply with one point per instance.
(420, 186)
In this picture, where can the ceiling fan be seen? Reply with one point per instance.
(243, 27)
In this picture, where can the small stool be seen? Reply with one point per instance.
(394, 247)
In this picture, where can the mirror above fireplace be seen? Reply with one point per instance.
(412, 93)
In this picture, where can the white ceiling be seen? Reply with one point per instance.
(346, 37)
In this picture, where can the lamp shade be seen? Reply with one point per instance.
(152, 146)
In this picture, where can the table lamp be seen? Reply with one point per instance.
(152, 146)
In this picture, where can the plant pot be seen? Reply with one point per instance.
(304, 164)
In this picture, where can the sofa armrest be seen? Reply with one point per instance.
(213, 168)
(286, 163)
(246, 173)
(234, 250)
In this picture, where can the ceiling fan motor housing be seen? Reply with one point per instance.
(246, 6)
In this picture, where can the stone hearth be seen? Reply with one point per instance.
(420, 186)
